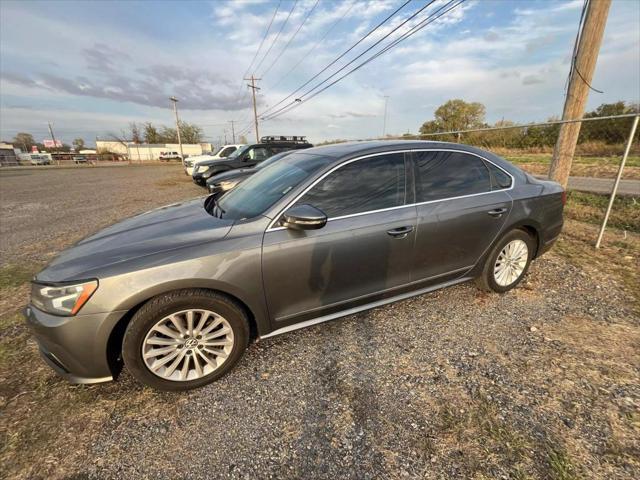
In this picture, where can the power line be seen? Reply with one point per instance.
(318, 85)
(339, 57)
(433, 17)
(312, 49)
(264, 37)
(277, 36)
(291, 38)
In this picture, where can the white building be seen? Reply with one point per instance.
(149, 151)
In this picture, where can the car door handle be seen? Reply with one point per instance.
(497, 212)
(400, 232)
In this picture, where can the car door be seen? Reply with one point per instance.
(461, 209)
(364, 250)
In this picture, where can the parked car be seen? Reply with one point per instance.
(79, 159)
(247, 157)
(178, 292)
(39, 159)
(166, 156)
(225, 181)
(222, 152)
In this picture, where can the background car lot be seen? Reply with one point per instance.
(541, 382)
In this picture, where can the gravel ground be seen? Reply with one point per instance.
(542, 382)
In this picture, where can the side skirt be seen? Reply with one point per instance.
(360, 308)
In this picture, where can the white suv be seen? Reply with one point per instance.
(222, 152)
(166, 156)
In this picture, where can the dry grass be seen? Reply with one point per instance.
(583, 166)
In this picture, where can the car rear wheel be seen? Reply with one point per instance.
(185, 339)
(508, 262)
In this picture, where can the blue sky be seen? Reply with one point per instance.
(92, 67)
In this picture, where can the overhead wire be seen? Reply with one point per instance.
(371, 47)
(312, 49)
(433, 17)
(290, 39)
(395, 12)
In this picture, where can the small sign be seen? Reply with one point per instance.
(34, 149)
(50, 143)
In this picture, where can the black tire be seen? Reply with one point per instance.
(166, 304)
(487, 281)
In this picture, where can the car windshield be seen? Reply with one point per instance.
(271, 160)
(263, 189)
(239, 151)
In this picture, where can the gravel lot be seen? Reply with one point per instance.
(543, 382)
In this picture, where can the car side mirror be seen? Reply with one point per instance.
(304, 217)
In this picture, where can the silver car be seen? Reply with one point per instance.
(177, 294)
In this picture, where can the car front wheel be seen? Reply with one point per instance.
(185, 339)
(508, 262)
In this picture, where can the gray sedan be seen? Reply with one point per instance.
(177, 293)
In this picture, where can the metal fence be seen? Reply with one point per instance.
(606, 146)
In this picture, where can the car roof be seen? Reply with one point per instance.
(344, 151)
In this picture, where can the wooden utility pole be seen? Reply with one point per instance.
(53, 137)
(175, 111)
(580, 77)
(233, 130)
(255, 111)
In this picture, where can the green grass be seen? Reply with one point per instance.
(591, 207)
(14, 275)
(560, 465)
(545, 158)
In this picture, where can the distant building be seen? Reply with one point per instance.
(149, 151)
(8, 154)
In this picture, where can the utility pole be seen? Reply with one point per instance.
(384, 124)
(53, 137)
(580, 77)
(233, 130)
(175, 110)
(255, 111)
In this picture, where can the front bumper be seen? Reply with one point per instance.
(200, 178)
(75, 347)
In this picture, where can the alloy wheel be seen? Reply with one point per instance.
(187, 345)
(511, 262)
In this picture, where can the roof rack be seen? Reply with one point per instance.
(283, 138)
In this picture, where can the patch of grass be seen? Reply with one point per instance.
(14, 275)
(617, 256)
(172, 181)
(560, 465)
(591, 207)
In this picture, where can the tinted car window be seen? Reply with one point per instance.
(259, 154)
(449, 174)
(227, 151)
(361, 186)
(499, 179)
(268, 185)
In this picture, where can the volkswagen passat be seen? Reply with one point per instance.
(177, 293)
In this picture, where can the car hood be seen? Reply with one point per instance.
(161, 230)
(232, 175)
(203, 158)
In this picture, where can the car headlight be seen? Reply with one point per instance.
(227, 184)
(66, 300)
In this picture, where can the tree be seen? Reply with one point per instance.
(24, 141)
(136, 136)
(78, 144)
(455, 115)
(151, 134)
(190, 133)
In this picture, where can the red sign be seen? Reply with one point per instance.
(49, 143)
(34, 149)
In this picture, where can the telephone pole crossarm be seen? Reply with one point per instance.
(253, 88)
